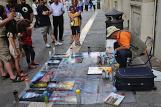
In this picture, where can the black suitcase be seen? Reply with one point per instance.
(134, 79)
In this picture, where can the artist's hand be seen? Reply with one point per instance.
(114, 52)
(112, 61)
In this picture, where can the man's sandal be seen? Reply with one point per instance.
(18, 79)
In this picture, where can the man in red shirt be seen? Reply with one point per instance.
(121, 46)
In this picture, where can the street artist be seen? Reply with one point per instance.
(126, 45)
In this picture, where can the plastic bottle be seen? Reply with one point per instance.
(71, 52)
(46, 66)
(27, 83)
(89, 50)
(110, 74)
(50, 54)
(103, 74)
(78, 96)
(46, 97)
(54, 51)
(0, 20)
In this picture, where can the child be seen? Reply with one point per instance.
(75, 26)
(25, 32)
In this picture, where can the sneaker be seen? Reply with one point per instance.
(48, 45)
(58, 43)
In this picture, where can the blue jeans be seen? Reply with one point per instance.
(122, 55)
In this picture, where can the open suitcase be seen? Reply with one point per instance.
(134, 79)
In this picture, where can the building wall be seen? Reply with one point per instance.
(2, 2)
(157, 51)
(142, 18)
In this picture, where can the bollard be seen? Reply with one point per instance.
(78, 96)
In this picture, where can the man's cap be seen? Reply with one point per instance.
(111, 30)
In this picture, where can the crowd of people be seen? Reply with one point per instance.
(16, 25)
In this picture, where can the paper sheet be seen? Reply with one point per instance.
(157, 74)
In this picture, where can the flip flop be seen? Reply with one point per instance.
(5, 77)
(17, 79)
(23, 74)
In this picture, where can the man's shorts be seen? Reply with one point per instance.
(75, 30)
(46, 30)
(5, 55)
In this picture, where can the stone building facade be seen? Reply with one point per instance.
(142, 17)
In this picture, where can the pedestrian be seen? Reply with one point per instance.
(45, 24)
(24, 28)
(75, 26)
(5, 57)
(123, 45)
(86, 2)
(81, 4)
(90, 4)
(78, 10)
(57, 9)
(34, 9)
(94, 2)
(11, 33)
(25, 10)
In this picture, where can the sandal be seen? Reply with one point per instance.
(18, 79)
(5, 77)
(23, 74)
(32, 67)
(34, 63)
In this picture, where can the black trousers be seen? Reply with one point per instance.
(94, 7)
(36, 22)
(29, 52)
(86, 7)
(122, 55)
(58, 22)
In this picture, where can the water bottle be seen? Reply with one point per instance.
(53, 50)
(1, 20)
(46, 66)
(50, 54)
(103, 60)
(103, 74)
(18, 15)
(71, 52)
(110, 74)
(78, 96)
(89, 50)
(46, 97)
(27, 83)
